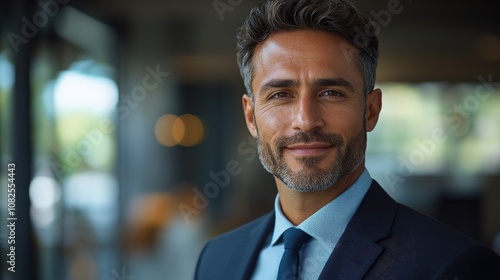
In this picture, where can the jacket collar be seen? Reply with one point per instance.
(357, 249)
(246, 252)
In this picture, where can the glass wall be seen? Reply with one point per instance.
(73, 192)
(7, 75)
(438, 141)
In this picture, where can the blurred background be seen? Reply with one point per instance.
(124, 121)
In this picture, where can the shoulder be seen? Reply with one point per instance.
(412, 223)
(473, 262)
(231, 250)
(419, 241)
(417, 245)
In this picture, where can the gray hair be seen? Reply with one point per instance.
(339, 17)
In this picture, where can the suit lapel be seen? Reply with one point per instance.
(357, 249)
(246, 252)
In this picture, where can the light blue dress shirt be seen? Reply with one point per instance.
(326, 226)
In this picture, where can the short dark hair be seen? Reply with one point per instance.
(339, 17)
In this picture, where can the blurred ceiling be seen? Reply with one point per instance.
(425, 41)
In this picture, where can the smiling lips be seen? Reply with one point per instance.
(309, 149)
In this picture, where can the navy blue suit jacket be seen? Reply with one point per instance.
(383, 240)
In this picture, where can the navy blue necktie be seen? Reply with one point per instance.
(289, 266)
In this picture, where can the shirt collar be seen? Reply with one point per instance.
(329, 222)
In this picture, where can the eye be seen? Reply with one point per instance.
(279, 95)
(332, 93)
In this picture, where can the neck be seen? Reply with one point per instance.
(298, 206)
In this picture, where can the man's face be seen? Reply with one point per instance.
(308, 111)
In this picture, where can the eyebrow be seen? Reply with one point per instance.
(334, 82)
(279, 83)
(327, 82)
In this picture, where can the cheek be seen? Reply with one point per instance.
(346, 121)
(272, 123)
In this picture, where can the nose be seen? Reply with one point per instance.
(307, 114)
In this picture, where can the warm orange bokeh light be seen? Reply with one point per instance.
(187, 130)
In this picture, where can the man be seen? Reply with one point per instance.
(309, 71)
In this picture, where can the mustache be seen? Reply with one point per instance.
(307, 137)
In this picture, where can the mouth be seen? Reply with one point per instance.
(309, 149)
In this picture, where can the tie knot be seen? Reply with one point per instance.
(294, 238)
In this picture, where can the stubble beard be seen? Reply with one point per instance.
(311, 178)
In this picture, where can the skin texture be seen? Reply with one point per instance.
(310, 116)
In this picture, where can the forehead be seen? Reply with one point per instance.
(306, 53)
(307, 40)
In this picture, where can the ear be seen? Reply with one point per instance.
(249, 114)
(373, 107)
